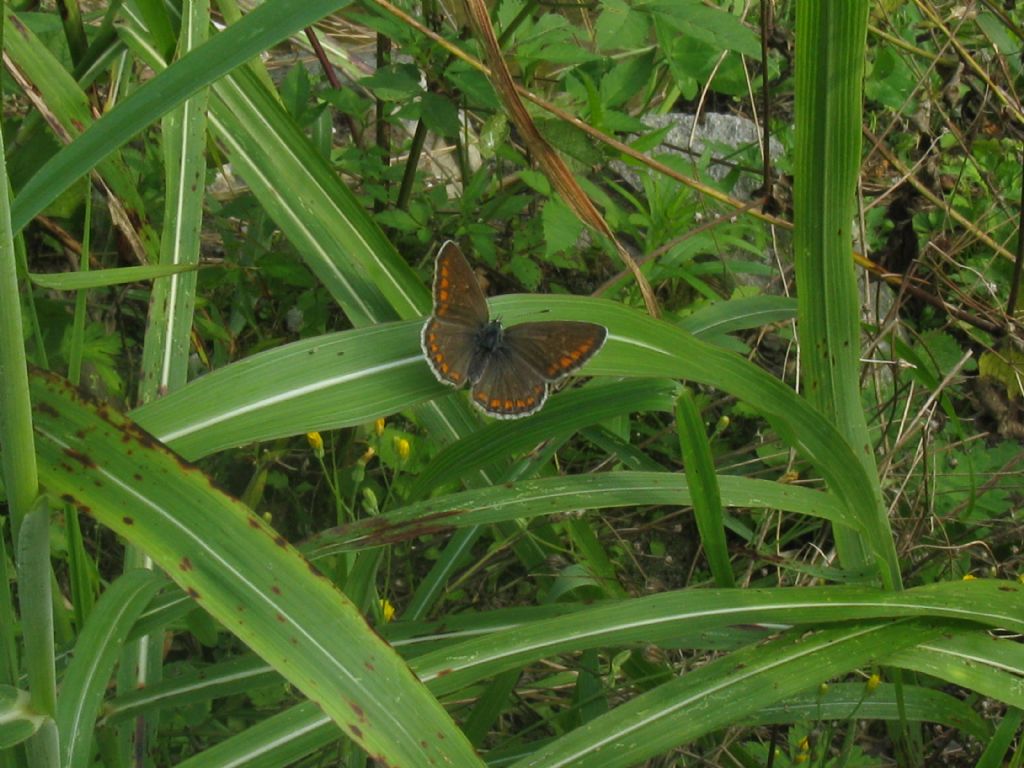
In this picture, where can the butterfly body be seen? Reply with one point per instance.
(508, 369)
(488, 342)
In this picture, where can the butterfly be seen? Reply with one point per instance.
(508, 369)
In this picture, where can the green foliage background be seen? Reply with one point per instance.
(611, 582)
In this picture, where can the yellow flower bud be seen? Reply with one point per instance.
(316, 443)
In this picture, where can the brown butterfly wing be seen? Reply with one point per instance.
(449, 336)
(555, 349)
(508, 388)
(449, 350)
(457, 295)
(515, 380)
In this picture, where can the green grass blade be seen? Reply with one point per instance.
(18, 722)
(974, 660)
(846, 701)
(281, 740)
(96, 651)
(704, 491)
(556, 495)
(998, 744)
(315, 384)
(35, 597)
(172, 301)
(103, 278)
(829, 74)
(563, 415)
(663, 617)
(18, 455)
(243, 674)
(243, 574)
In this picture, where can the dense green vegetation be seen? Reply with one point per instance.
(774, 522)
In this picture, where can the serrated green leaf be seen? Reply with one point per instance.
(397, 82)
(440, 115)
(562, 227)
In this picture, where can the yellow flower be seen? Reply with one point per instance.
(387, 609)
(804, 751)
(402, 447)
(969, 577)
(873, 682)
(316, 443)
(378, 427)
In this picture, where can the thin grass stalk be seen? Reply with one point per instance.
(80, 567)
(17, 462)
(829, 70)
(74, 30)
(172, 304)
(169, 325)
(35, 598)
(18, 453)
(8, 639)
